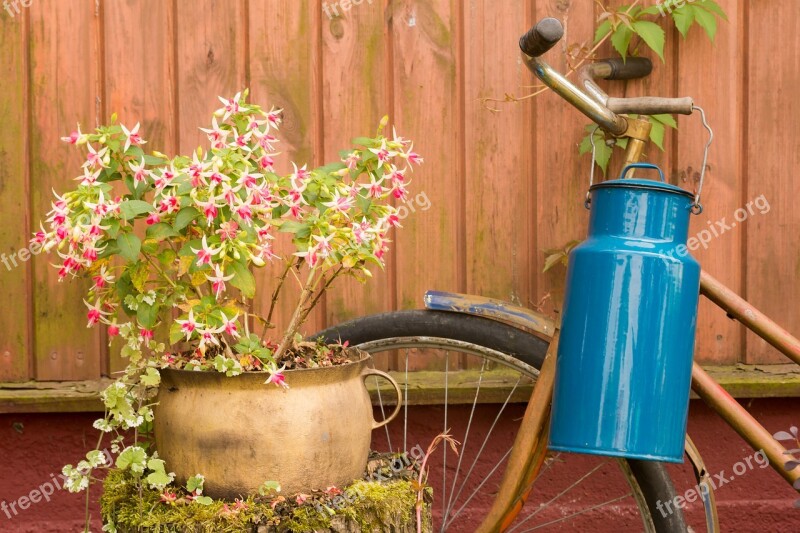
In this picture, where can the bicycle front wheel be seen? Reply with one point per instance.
(471, 377)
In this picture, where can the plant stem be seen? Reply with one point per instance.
(294, 324)
(275, 293)
(319, 294)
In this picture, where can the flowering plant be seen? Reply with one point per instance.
(170, 245)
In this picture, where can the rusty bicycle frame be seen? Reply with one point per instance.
(530, 447)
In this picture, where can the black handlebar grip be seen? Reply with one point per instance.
(634, 67)
(542, 37)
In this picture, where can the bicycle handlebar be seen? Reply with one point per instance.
(542, 37)
(596, 104)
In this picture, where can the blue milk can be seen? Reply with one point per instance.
(624, 363)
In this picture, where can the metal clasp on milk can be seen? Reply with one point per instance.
(627, 333)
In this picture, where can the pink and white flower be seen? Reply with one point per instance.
(218, 280)
(206, 253)
(133, 137)
(277, 377)
(189, 325)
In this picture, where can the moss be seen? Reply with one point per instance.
(372, 505)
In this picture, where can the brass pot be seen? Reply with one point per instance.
(240, 432)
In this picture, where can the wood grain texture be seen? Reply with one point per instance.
(705, 69)
(140, 86)
(15, 274)
(210, 61)
(355, 95)
(501, 187)
(561, 176)
(772, 146)
(285, 73)
(65, 74)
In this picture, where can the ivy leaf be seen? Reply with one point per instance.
(133, 208)
(602, 150)
(204, 500)
(683, 18)
(657, 134)
(243, 279)
(706, 20)
(129, 246)
(131, 456)
(715, 8)
(602, 30)
(666, 119)
(621, 39)
(161, 231)
(185, 217)
(652, 34)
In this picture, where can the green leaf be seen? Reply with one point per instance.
(161, 231)
(131, 456)
(158, 480)
(113, 228)
(602, 30)
(204, 500)
(152, 160)
(621, 39)
(683, 19)
(186, 249)
(667, 120)
(243, 279)
(175, 333)
(151, 378)
(657, 134)
(167, 257)
(129, 246)
(185, 217)
(133, 208)
(139, 273)
(364, 141)
(652, 34)
(195, 483)
(706, 20)
(714, 7)
(147, 315)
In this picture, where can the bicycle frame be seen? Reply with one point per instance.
(530, 448)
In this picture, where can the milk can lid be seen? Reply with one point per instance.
(634, 183)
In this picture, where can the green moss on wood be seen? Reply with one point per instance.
(366, 506)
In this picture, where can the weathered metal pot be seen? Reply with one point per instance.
(239, 432)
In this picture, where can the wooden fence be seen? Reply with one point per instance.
(500, 187)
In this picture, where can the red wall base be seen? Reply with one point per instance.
(34, 447)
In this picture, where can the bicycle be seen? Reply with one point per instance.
(502, 347)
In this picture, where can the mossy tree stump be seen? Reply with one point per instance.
(384, 501)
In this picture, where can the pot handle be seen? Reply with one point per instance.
(374, 372)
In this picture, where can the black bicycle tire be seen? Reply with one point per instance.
(652, 477)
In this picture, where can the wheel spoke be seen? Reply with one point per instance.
(557, 496)
(485, 441)
(582, 511)
(383, 414)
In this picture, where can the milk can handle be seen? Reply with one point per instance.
(649, 166)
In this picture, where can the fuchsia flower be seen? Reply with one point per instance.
(94, 159)
(383, 153)
(216, 134)
(139, 172)
(210, 209)
(229, 326)
(228, 230)
(196, 172)
(375, 189)
(189, 325)
(276, 376)
(267, 163)
(397, 176)
(146, 334)
(74, 137)
(274, 116)
(95, 313)
(153, 218)
(113, 330)
(231, 105)
(208, 336)
(340, 203)
(133, 137)
(351, 160)
(218, 280)
(206, 253)
(414, 158)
